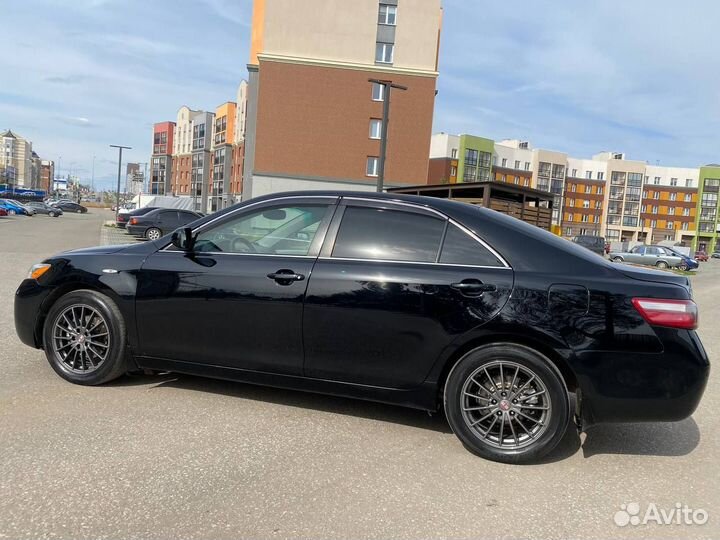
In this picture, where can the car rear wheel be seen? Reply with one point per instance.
(153, 233)
(84, 338)
(662, 265)
(11, 212)
(507, 403)
(616, 259)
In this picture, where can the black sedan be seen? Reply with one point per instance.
(159, 222)
(415, 301)
(124, 217)
(42, 208)
(67, 206)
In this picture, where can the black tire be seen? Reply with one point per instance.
(548, 428)
(617, 259)
(661, 264)
(51, 213)
(683, 267)
(114, 364)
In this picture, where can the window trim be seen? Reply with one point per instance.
(382, 4)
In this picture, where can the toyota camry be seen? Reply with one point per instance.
(414, 301)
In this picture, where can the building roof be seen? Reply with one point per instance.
(9, 134)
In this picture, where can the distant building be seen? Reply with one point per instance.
(47, 174)
(222, 156)
(313, 118)
(201, 128)
(161, 160)
(15, 160)
(134, 179)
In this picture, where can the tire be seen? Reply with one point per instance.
(76, 360)
(153, 233)
(617, 259)
(11, 212)
(683, 267)
(79, 211)
(662, 265)
(51, 214)
(514, 438)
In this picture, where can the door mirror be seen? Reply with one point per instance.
(183, 239)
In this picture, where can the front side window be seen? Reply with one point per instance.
(461, 248)
(373, 233)
(283, 230)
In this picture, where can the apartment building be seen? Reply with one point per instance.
(201, 124)
(15, 160)
(443, 164)
(47, 174)
(707, 220)
(238, 148)
(582, 211)
(182, 152)
(222, 156)
(161, 161)
(512, 162)
(669, 202)
(313, 119)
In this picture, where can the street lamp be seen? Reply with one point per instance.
(117, 193)
(387, 87)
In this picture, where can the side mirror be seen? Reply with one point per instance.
(183, 239)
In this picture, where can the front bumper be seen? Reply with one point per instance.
(29, 299)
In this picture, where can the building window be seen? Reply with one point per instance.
(671, 211)
(378, 92)
(656, 195)
(600, 190)
(588, 175)
(517, 163)
(585, 218)
(686, 211)
(574, 173)
(670, 225)
(601, 176)
(688, 182)
(653, 223)
(643, 208)
(586, 204)
(384, 53)
(654, 209)
(573, 188)
(673, 196)
(656, 181)
(527, 182)
(571, 217)
(453, 170)
(685, 226)
(373, 163)
(673, 181)
(387, 14)
(375, 128)
(504, 162)
(568, 231)
(588, 189)
(453, 153)
(517, 179)
(527, 165)
(571, 202)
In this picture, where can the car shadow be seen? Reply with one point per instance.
(295, 398)
(646, 439)
(650, 439)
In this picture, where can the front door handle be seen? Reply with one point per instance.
(285, 277)
(473, 287)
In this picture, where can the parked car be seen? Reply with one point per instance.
(3, 212)
(418, 301)
(54, 202)
(71, 207)
(160, 222)
(124, 217)
(596, 244)
(42, 208)
(715, 255)
(658, 256)
(15, 208)
(701, 256)
(687, 263)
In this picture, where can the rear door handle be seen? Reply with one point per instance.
(285, 277)
(473, 286)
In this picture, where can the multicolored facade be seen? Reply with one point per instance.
(161, 159)
(707, 220)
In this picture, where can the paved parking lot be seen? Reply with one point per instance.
(183, 457)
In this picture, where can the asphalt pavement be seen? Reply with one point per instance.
(184, 457)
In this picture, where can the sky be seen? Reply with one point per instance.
(640, 76)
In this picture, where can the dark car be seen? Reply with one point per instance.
(42, 208)
(686, 262)
(416, 301)
(596, 244)
(160, 222)
(72, 207)
(123, 218)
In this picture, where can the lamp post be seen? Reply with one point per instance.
(387, 87)
(117, 193)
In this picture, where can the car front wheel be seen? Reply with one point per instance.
(616, 259)
(153, 233)
(683, 267)
(507, 403)
(51, 214)
(662, 265)
(84, 338)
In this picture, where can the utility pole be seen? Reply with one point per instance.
(117, 193)
(387, 87)
(92, 178)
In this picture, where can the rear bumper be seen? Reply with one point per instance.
(645, 387)
(135, 230)
(29, 298)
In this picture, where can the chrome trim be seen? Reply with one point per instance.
(412, 262)
(480, 240)
(215, 253)
(287, 198)
(395, 201)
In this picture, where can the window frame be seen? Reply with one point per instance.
(385, 45)
(387, 14)
(398, 206)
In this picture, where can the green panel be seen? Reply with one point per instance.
(481, 144)
(706, 172)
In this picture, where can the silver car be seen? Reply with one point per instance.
(656, 256)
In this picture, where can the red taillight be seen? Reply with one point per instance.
(133, 221)
(673, 313)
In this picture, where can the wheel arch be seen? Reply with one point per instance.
(530, 341)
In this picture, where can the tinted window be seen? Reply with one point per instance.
(461, 248)
(371, 233)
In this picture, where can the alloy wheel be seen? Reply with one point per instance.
(506, 405)
(81, 339)
(153, 234)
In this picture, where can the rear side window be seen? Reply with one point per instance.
(461, 248)
(373, 233)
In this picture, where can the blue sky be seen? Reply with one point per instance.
(641, 77)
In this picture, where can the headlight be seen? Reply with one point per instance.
(38, 270)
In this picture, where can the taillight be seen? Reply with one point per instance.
(673, 313)
(133, 221)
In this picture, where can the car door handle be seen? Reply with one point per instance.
(473, 286)
(285, 276)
